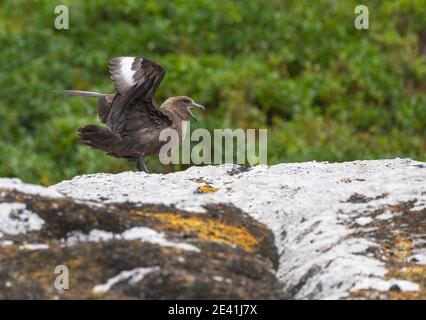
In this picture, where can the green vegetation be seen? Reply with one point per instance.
(324, 90)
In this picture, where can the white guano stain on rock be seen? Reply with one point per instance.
(305, 205)
(385, 285)
(133, 277)
(142, 234)
(34, 246)
(15, 219)
(95, 235)
(384, 216)
(362, 221)
(152, 236)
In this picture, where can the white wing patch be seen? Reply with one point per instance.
(126, 70)
(121, 72)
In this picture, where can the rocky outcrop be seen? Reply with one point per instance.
(354, 230)
(125, 251)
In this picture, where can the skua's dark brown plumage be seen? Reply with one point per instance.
(133, 121)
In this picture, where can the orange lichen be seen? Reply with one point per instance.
(397, 241)
(206, 189)
(398, 268)
(403, 247)
(205, 229)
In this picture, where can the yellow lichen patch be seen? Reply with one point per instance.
(409, 271)
(399, 268)
(398, 244)
(205, 229)
(403, 247)
(414, 271)
(206, 189)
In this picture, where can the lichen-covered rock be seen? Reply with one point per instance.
(354, 230)
(131, 251)
(343, 230)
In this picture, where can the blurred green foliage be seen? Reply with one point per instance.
(324, 90)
